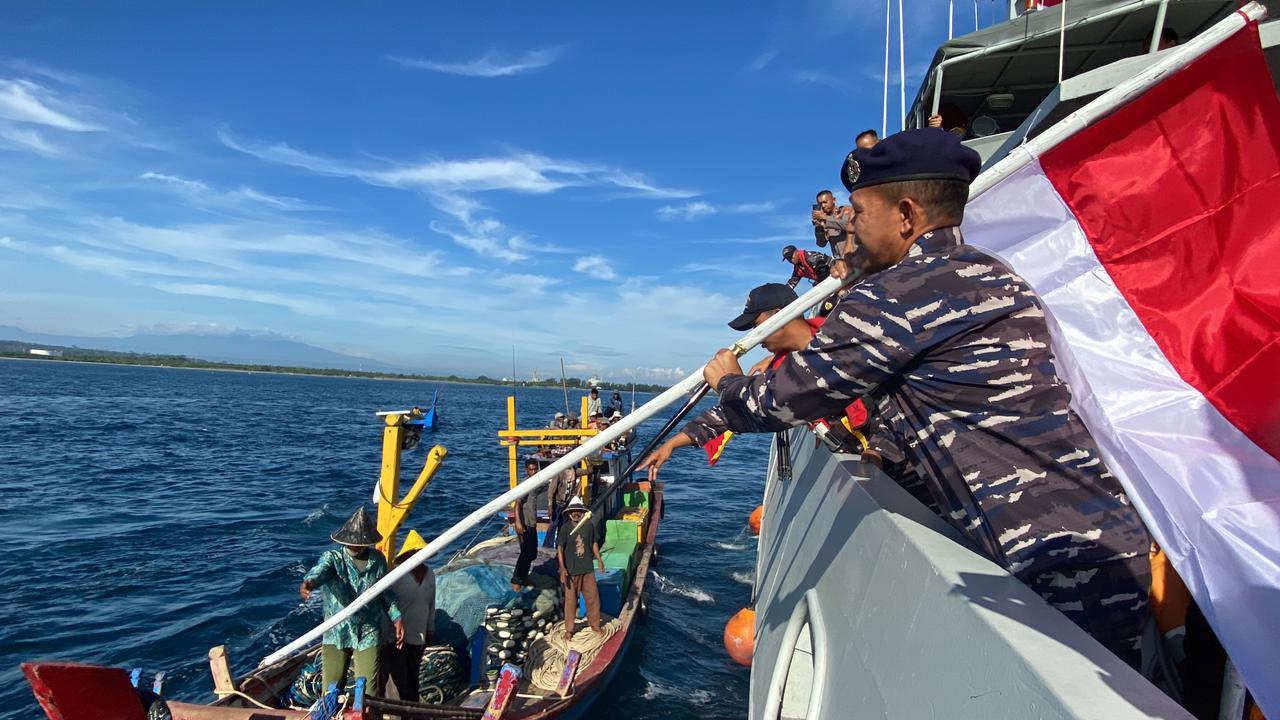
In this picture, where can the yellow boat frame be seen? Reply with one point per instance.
(513, 437)
(392, 512)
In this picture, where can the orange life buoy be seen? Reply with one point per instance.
(740, 636)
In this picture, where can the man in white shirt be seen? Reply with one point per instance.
(415, 594)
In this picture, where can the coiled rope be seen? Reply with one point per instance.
(548, 654)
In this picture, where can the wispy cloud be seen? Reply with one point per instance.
(516, 172)
(699, 209)
(486, 236)
(784, 238)
(201, 194)
(729, 269)
(490, 65)
(595, 266)
(762, 61)
(29, 139)
(27, 102)
(525, 282)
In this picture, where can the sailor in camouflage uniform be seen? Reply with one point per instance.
(953, 348)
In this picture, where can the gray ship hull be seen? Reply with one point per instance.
(869, 606)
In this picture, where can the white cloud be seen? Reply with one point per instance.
(784, 239)
(596, 267)
(29, 139)
(517, 172)
(485, 236)
(699, 209)
(688, 211)
(490, 65)
(536, 284)
(201, 194)
(762, 61)
(28, 102)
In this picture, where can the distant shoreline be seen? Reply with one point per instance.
(312, 372)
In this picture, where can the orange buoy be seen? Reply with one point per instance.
(740, 636)
(757, 516)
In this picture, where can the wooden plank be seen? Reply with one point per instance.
(220, 669)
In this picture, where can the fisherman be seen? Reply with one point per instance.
(558, 422)
(416, 597)
(593, 403)
(867, 139)
(831, 223)
(575, 548)
(955, 350)
(344, 575)
(615, 404)
(526, 523)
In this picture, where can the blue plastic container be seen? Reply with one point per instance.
(611, 585)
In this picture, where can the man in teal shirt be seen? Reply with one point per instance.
(344, 575)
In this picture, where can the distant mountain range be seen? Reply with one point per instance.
(235, 347)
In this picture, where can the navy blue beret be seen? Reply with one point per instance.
(923, 154)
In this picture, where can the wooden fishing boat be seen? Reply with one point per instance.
(69, 691)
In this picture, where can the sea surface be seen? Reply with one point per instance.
(148, 514)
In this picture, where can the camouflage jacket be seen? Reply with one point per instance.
(953, 349)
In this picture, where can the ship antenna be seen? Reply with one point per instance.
(884, 106)
(565, 388)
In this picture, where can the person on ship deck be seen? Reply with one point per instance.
(954, 350)
(831, 223)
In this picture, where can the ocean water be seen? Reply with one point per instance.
(148, 514)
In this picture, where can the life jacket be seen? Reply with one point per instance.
(802, 264)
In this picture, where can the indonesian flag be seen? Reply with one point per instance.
(716, 447)
(1153, 237)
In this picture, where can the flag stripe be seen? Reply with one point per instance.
(1197, 259)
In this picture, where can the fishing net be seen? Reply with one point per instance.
(463, 592)
(309, 685)
(440, 677)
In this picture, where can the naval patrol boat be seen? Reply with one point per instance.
(867, 604)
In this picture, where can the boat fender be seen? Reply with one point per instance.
(755, 519)
(740, 636)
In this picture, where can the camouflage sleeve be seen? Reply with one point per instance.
(875, 332)
(706, 427)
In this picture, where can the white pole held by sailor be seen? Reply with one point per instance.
(817, 294)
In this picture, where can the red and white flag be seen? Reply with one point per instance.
(1151, 230)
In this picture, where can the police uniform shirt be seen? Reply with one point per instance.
(953, 348)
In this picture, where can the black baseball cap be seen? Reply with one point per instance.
(770, 296)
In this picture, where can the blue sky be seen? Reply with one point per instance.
(427, 184)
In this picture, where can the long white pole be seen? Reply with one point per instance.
(884, 107)
(951, 18)
(815, 295)
(1062, 39)
(902, 72)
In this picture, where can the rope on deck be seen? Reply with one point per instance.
(547, 655)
